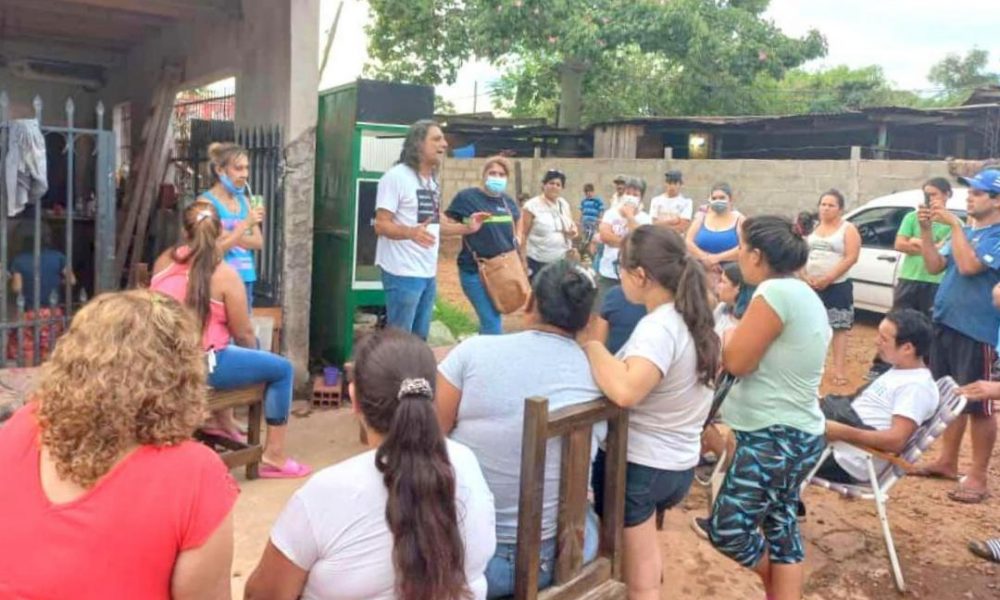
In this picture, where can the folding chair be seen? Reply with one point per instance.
(879, 484)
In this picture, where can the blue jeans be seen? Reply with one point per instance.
(489, 318)
(409, 302)
(238, 367)
(500, 569)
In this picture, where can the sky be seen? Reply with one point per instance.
(905, 37)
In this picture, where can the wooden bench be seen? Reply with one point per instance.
(233, 453)
(601, 578)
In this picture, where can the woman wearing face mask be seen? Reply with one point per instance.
(240, 223)
(714, 235)
(497, 217)
(547, 227)
(834, 247)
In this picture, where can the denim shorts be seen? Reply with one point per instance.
(647, 489)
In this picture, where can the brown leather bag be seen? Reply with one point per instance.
(505, 281)
(504, 277)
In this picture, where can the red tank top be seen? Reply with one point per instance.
(173, 281)
(121, 538)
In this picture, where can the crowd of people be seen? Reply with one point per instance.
(676, 297)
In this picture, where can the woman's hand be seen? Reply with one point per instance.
(820, 283)
(476, 221)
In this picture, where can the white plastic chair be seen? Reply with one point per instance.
(950, 405)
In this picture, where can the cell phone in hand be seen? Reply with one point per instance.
(927, 200)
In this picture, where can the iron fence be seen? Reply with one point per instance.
(28, 328)
(267, 165)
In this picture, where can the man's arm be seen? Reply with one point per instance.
(891, 440)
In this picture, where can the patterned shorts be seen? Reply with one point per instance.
(756, 509)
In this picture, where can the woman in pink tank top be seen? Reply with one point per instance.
(195, 274)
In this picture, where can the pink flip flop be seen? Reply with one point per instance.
(236, 436)
(290, 470)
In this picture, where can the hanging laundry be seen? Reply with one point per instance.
(25, 170)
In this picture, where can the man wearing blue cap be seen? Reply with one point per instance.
(966, 324)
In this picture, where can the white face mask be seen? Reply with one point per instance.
(630, 200)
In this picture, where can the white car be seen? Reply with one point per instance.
(875, 273)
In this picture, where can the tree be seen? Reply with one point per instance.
(557, 48)
(958, 76)
(835, 89)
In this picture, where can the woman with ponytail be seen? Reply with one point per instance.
(777, 350)
(193, 272)
(662, 374)
(410, 519)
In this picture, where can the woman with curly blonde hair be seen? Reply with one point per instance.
(105, 495)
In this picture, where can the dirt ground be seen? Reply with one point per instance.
(845, 554)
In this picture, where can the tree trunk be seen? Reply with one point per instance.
(571, 74)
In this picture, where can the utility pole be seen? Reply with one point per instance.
(475, 96)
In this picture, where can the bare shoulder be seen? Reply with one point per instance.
(163, 261)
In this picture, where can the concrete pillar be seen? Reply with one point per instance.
(278, 83)
(883, 141)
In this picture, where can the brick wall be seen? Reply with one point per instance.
(760, 186)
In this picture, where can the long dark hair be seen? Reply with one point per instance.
(414, 141)
(203, 228)
(393, 380)
(662, 254)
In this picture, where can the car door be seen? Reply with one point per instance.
(875, 273)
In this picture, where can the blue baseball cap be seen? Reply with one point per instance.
(985, 181)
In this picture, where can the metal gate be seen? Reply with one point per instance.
(267, 168)
(24, 325)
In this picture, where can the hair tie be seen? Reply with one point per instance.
(417, 386)
(202, 215)
(587, 274)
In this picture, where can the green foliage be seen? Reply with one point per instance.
(458, 321)
(699, 51)
(958, 76)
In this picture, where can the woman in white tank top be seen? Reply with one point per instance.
(834, 247)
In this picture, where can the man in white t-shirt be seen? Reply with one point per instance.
(408, 224)
(620, 219)
(888, 411)
(671, 208)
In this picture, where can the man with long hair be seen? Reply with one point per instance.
(408, 224)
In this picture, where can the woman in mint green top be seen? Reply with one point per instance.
(778, 351)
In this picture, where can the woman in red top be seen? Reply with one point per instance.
(104, 495)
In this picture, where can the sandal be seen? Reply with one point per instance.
(989, 549)
(966, 496)
(290, 470)
(236, 436)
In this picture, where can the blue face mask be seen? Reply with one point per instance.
(497, 185)
(230, 187)
(719, 206)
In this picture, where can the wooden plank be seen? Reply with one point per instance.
(21, 21)
(84, 15)
(575, 469)
(613, 522)
(568, 418)
(255, 423)
(590, 577)
(529, 507)
(244, 396)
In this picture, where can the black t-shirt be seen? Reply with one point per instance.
(497, 233)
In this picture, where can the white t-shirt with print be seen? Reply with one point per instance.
(664, 430)
(909, 393)
(334, 527)
(619, 225)
(662, 207)
(547, 241)
(412, 200)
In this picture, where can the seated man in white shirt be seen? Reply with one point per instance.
(886, 413)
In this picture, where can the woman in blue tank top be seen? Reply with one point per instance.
(713, 237)
(241, 223)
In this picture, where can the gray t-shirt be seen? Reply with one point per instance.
(495, 374)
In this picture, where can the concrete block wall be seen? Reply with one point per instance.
(760, 186)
